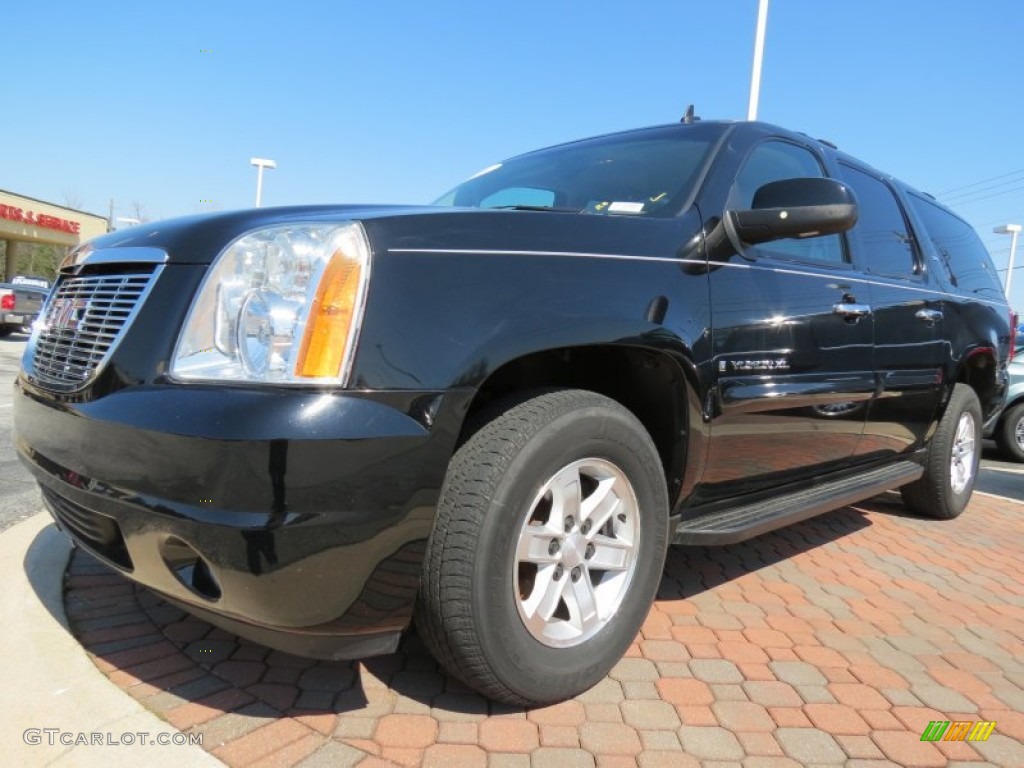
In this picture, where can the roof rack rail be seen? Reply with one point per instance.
(828, 143)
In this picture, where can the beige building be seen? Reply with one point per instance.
(26, 220)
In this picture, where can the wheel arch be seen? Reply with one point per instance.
(1011, 402)
(656, 386)
(978, 371)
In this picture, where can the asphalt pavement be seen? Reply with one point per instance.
(1002, 478)
(19, 496)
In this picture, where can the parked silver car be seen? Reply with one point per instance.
(1008, 429)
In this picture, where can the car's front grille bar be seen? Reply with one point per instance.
(81, 323)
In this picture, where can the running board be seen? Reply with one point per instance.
(736, 524)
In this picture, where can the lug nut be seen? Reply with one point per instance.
(590, 551)
(622, 517)
(559, 570)
(576, 573)
(553, 547)
(569, 523)
(585, 528)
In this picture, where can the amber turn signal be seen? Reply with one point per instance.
(330, 319)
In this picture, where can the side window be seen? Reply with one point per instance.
(882, 242)
(966, 262)
(775, 161)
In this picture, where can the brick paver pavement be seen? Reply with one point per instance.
(833, 642)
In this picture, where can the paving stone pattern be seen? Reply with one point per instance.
(831, 643)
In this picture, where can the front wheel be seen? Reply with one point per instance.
(951, 464)
(1010, 433)
(548, 548)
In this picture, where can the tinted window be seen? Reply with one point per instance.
(775, 161)
(966, 262)
(881, 240)
(642, 173)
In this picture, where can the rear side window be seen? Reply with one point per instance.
(882, 241)
(966, 262)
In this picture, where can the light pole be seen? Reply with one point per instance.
(260, 163)
(755, 76)
(1013, 230)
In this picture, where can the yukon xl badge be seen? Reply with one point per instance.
(776, 364)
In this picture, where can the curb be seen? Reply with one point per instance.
(52, 683)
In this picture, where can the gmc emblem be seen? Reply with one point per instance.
(67, 314)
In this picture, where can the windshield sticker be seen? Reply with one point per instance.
(626, 208)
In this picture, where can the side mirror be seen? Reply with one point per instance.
(796, 208)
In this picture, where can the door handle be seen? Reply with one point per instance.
(852, 311)
(930, 316)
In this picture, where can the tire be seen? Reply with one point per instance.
(951, 464)
(1010, 433)
(499, 604)
(6, 330)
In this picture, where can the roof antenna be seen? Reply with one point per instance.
(689, 117)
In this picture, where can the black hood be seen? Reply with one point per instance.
(198, 239)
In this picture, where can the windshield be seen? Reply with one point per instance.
(640, 173)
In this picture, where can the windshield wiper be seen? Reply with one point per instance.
(533, 208)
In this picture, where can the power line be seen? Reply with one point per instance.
(982, 190)
(1000, 220)
(979, 183)
(994, 194)
(985, 231)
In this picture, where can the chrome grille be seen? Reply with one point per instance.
(83, 319)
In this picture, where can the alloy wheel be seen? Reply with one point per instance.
(576, 552)
(961, 464)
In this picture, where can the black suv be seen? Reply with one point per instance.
(309, 425)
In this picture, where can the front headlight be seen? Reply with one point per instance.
(279, 305)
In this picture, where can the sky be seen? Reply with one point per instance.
(159, 106)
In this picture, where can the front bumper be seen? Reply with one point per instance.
(296, 518)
